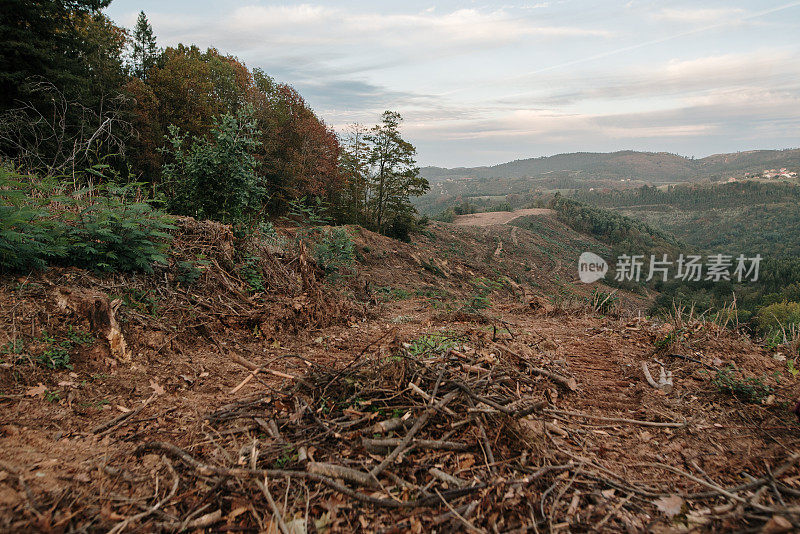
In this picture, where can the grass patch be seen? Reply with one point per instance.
(435, 344)
(748, 389)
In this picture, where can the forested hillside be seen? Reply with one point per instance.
(104, 135)
(646, 166)
(741, 217)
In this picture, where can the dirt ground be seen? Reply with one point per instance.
(179, 436)
(498, 217)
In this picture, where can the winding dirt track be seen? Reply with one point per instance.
(497, 217)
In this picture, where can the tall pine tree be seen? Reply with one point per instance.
(145, 50)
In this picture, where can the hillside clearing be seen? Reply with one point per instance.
(498, 217)
(221, 391)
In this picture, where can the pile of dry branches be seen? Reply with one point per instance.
(457, 439)
(401, 432)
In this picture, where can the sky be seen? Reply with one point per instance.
(480, 83)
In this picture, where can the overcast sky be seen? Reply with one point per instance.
(482, 82)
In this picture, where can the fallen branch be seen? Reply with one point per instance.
(618, 419)
(664, 380)
(206, 469)
(255, 369)
(446, 478)
(567, 383)
(117, 421)
(414, 429)
(345, 473)
(379, 445)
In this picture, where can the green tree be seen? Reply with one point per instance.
(215, 179)
(352, 204)
(395, 176)
(40, 40)
(145, 51)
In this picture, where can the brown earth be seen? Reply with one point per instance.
(498, 217)
(611, 453)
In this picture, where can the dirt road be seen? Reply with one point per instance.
(497, 217)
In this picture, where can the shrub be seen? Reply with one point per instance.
(107, 229)
(432, 344)
(56, 354)
(778, 316)
(250, 271)
(188, 273)
(751, 390)
(104, 227)
(215, 179)
(476, 302)
(388, 293)
(401, 227)
(335, 254)
(26, 234)
(447, 216)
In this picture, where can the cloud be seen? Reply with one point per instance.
(767, 67)
(699, 16)
(724, 121)
(309, 25)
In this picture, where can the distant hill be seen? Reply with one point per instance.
(640, 166)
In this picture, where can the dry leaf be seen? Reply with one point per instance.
(37, 391)
(465, 461)
(776, 524)
(158, 390)
(671, 506)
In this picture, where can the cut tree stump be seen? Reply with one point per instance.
(100, 312)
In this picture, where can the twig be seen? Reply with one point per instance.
(415, 388)
(437, 445)
(119, 527)
(614, 510)
(255, 369)
(263, 486)
(690, 359)
(568, 383)
(461, 518)
(487, 446)
(206, 469)
(618, 419)
(412, 432)
(113, 423)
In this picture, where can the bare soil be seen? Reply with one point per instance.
(608, 452)
(498, 217)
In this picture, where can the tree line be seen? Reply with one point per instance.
(207, 136)
(698, 196)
